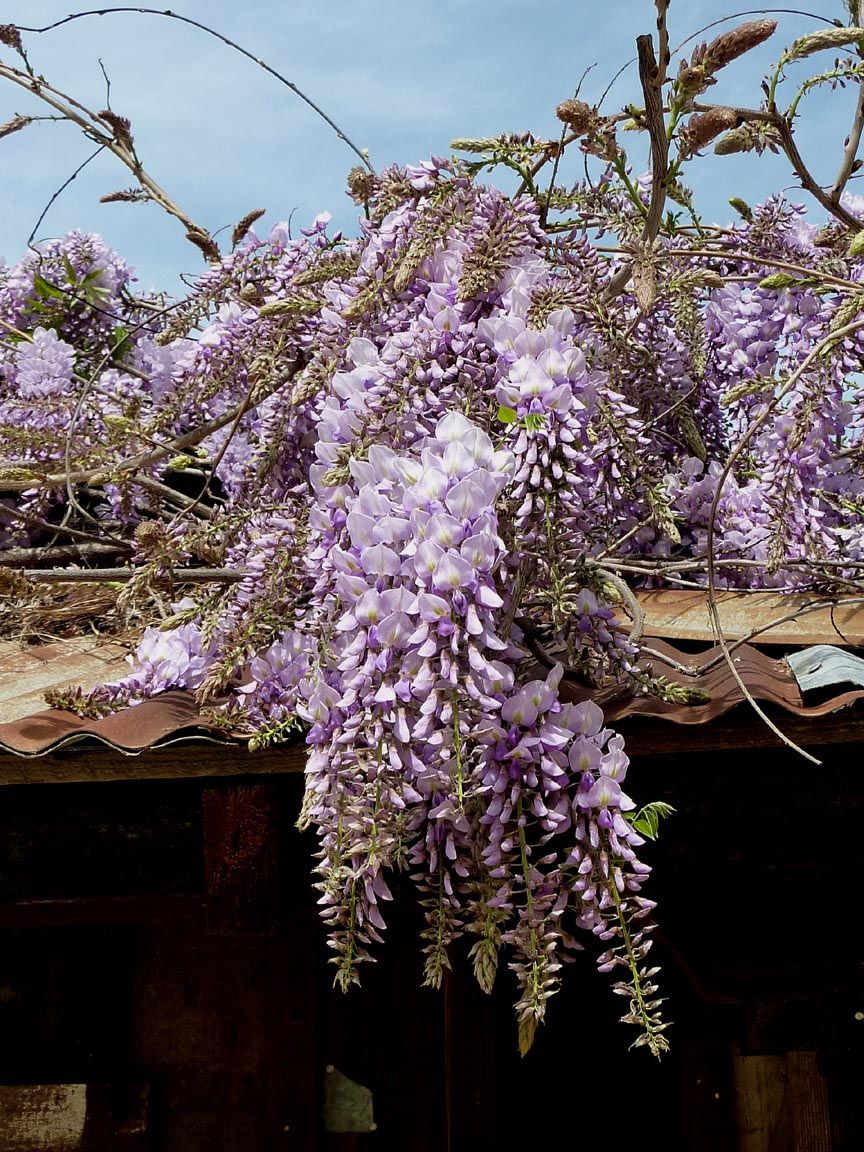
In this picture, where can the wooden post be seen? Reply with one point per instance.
(782, 1104)
(241, 848)
(807, 1094)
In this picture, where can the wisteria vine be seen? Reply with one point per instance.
(398, 489)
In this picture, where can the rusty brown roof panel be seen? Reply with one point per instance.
(151, 724)
(670, 615)
(789, 620)
(175, 715)
(766, 678)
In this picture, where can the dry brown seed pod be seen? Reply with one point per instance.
(11, 37)
(14, 125)
(707, 126)
(245, 224)
(576, 114)
(730, 45)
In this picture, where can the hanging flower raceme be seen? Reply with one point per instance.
(420, 462)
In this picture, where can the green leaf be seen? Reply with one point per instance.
(856, 248)
(527, 1029)
(46, 290)
(647, 819)
(71, 275)
(120, 343)
(534, 421)
(507, 415)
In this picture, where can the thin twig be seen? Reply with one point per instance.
(739, 257)
(663, 55)
(808, 182)
(631, 606)
(185, 503)
(89, 123)
(196, 505)
(121, 575)
(133, 463)
(167, 14)
(14, 514)
(60, 192)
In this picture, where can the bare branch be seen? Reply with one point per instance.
(93, 127)
(808, 182)
(650, 76)
(790, 147)
(121, 575)
(850, 152)
(168, 15)
(64, 553)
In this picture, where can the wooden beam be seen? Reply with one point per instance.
(782, 1103)
(738, 730)
(99, 910)
(91, 763)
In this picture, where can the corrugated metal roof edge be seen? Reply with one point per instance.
(791, 620)
(174, 716)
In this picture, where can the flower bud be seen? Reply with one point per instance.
(738, 140)
(11, 37)
(14, 125)
(705, 127)
(576, 114)
(361, 184)
(818, 41)
(731, 45)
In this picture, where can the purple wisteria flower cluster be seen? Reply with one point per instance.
(400, 480)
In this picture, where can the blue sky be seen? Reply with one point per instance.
(402, 77)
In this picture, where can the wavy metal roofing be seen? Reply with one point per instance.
(25, 730)
(766, 678)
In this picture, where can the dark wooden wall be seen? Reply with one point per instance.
(159, 944)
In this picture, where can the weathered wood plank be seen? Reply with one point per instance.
(470, 1062)
(73, 1118)
(92, 763)
(807, 1100)
(291, 1071)
(681, 614)
(760, 1088)
(48, 1117)
(241, 858)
